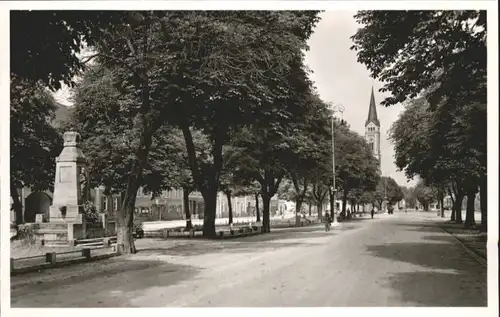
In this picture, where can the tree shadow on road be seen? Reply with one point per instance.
(420, 227)
(226, 247)
(278, 239)
(443, 238)
(445, 274)
(439, 289)
(116, 280)
(445, 256)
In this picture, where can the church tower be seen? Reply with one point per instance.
(372, 129)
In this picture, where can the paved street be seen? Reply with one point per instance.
(393, 260)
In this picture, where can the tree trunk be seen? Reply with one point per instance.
(298, 206)
(426, 206)
(453, 212)
(483, 200)
(469, 216)
(16, 204)
(320, 211)
(185, 197)
(257, 209)
(230, 206)
(441, 204)
(344, 203)
(310, 210)
(266, 200)
(209, 193)
(210, 200)
(458, 206)
(125, 217)
(125, 239)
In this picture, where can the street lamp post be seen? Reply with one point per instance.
(386, 201)
(335, 108)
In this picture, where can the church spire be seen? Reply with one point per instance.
(372, 112)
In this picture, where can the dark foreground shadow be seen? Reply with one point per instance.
(444, 274)
(419, 227)
(432, 255)
(269, 241)
(124, 276)
(200, 249)
(438, 289)
(276, 239)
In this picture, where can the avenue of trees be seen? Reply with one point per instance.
(205, 101)
(436, 64)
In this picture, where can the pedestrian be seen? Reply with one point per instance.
(372, 212)
(327, 222)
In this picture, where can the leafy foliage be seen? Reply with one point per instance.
(450, 46)
(387, 188)
(34, 142)
(200, 71)
(110, 136)
(425, 194)
(47, 50)
(356, 167)
(90, 212)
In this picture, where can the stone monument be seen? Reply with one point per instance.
(67, 201)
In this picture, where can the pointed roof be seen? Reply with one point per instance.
(372, 112)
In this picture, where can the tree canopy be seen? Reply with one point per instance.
(34, 141)
(440, 51)
(47, 50)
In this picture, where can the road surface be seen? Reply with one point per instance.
(393, 260)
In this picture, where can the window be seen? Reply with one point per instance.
(371, 146)
(115, 203)
(105, 204)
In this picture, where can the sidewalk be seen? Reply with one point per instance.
(170, 224)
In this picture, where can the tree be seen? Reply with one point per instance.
(356, 167)
(425, 195)
(409, 196)
(451, 50)
(47, 51)
(191, 85)
(272, 63)
(442, 147)
(387, 188)
(111, 137)
(450, 69)
(307, 143)
(319, 192)
(211, 85)
(34, 142)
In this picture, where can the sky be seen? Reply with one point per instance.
(340, 79)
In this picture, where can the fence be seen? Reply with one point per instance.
(53, 259)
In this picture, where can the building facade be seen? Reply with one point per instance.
(168, 206)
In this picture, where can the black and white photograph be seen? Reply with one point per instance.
(314, 156)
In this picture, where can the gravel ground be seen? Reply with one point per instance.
(393, 260)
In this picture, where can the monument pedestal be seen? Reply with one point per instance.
(66, 222)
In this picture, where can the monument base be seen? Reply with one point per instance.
(63, 228)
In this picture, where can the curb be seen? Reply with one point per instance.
(482, 261)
